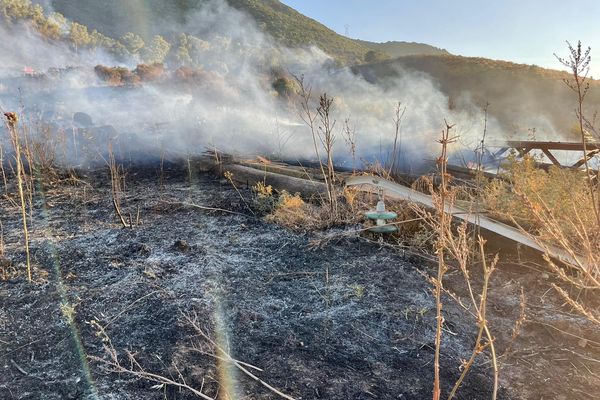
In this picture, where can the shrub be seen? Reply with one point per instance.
(286, 87)
(116, 76)
(150, 72)
(293, 212)
(557, 189)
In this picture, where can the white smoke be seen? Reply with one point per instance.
(237, 111)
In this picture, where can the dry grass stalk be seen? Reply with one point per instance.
(444, 221)
(2, 249)
(220, 353)
(209, 347)
(516, 331)
(322, 130)
(229, 176)
(578, 63)
(397, 145)
(350, 138)
(117, 181)
(454, 246)
(460, 249)
(11, 122)
(4, 179)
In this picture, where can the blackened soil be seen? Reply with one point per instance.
(350, 320)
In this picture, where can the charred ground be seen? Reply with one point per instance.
(350, 320)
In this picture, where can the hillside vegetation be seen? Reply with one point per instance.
(150, 17)
(396, 49)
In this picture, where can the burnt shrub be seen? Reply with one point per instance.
(116, 76)
(150, 72)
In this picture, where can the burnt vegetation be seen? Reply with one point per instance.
(181, 275)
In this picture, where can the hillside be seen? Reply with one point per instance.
(397, 49)
(114, 18)
(148, 17)
(522, 97)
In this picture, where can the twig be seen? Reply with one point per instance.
(21, 370)
(183, 203)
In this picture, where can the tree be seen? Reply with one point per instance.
(182, 55)
(79, 36)
(157, 51)
(59, 19)
(373, 56)
(134, 43)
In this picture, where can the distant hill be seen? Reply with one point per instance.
(520, 95)
(401, 49)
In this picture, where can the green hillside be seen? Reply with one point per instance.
(146, 18)
(149, 17)
(400, 49)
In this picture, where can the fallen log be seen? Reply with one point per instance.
(251, 176)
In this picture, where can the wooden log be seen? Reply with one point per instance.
(284, 170)
(251, 176)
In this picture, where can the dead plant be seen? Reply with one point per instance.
(578, 62)
(229, 176)
(455, 249)
(201, 343)
(322, 127)
(11, 123)
(397, 149)
(117, 183)
(444, 221)
(350, 138)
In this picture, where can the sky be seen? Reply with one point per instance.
(525, 31)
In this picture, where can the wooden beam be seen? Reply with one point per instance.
(587, 157)
(569, 146)
(551, 157)
(251, 176)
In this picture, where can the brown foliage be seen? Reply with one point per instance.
(116, 76)
(150, 72)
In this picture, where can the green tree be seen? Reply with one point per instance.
(79, 36)
(134, 43)
(157, 51)
(59, 19)
(182, 55)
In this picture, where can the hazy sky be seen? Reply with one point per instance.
(525, 31)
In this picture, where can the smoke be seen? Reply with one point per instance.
(234, 108)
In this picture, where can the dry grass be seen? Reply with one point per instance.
(559, 208)
(117, 181)
(455, 249)
(294, 213)
(23, 188)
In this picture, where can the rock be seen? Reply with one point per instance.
(143, 249)
(181, 245)
(5, 263)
